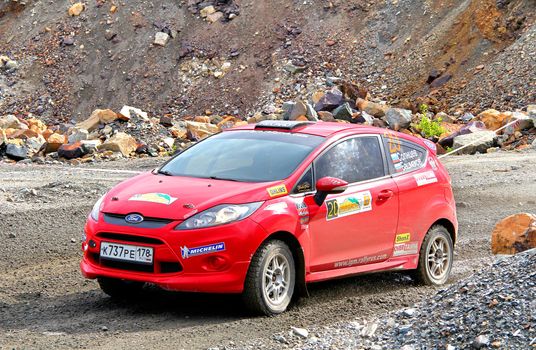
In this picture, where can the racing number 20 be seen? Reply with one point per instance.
(333, 209)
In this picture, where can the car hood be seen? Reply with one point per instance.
(177, 197)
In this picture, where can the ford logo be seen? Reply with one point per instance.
(133, 218)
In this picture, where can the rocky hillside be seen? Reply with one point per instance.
(234, 57)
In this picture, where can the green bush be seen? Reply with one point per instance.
(429, 128)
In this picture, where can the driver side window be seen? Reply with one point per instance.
(354, 160)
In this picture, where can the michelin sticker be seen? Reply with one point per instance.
(409, 248)
(206, 249)
(160, 198)
(348, 205)
(425, 178)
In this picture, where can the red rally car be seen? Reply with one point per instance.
(264, 209)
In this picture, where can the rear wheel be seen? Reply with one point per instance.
(271, 278)
(120, 289)
(435, 258)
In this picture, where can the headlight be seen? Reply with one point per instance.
(219, 215)
(97, 208)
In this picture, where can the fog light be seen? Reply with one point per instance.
(215, 262)
(92, 243)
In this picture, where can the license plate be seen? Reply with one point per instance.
(125, 252)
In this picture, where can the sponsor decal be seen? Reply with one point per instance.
(399, 167)
(425, 178)
(360, 261)
(393, 141)
(161, 198)
(402, 238)
(395, 157)
(304, 187)
(206, 249)
(348, 205)
(277, 191)
(432, 163)
(303, 212)
(409, 248)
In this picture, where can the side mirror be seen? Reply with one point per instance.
(328, 185)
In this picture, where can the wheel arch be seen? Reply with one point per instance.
(451, 228)
(299, 258)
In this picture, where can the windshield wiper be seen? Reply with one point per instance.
(164, 172)
(221, 178)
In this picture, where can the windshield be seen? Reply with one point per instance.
(248, 156)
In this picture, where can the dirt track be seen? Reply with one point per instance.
(45, 303)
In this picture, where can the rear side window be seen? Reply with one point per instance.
(354, 160)
(403, 156)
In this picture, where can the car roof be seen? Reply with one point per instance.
(323, 129)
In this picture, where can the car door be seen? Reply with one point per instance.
(415, 180)
(358, 226)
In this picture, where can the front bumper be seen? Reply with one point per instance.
(221, 271)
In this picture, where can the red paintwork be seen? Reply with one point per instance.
(347, 245)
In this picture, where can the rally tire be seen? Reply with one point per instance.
(435, 258)
(120, 289)
(271, 279)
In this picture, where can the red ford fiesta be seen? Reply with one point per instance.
(264, 209)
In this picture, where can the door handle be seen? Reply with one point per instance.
(385, 195)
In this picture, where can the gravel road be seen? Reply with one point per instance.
(45, 303)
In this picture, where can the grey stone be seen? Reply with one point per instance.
(331, 100)
(301, 332)
(16, 152)
(343, 112)
(293, 69)
(364, 118)
(311, 113)
(299, 109)
(475, 142)
(481, 341)
(287, 109)
(398, 118)
(161, 39)
(78, 135)
(522, 122)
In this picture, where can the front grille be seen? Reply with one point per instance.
(129, 238)
(119, 219)
(125, 265)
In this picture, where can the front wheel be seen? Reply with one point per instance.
(435, 258)
(270, 281)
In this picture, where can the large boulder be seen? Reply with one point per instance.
(398, 118)
(514, 234)
(472, 127)
(120, 142)
(330, 100)
(72, 151)
(127, 112)
(522, 122)
(11, 122)
(343, 112)
(98, 116)
(478, 141)
(198, 131)
(494, 119)
(16, 152)
(374, 109)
